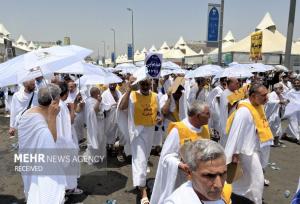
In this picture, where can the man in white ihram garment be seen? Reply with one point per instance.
(292, 112)
(225, 108)
(143, 110)
(171, 171)
(96, 141)
(249, 141)
(213, 100)
(273, 108)
(37, 132)
(110, 98)
(207, 168)
(173, 104)
(198, 91)
(21, 100)
(67, 139)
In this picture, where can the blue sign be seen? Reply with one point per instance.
(153, 64)
(129, 52)
(113, 57)
(213, 25)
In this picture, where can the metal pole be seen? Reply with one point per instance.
(114, 45)
(104, 52)
(289, 40)
(221, 34)
(132, 34)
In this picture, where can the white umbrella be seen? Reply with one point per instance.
(126, 68)
(107, 78)
(40, 62)
(237, 71)
(259, 67)
(82, 68)
(140, 63)
(280, 67)
(204, 71)
(170, 65)
(166, 72)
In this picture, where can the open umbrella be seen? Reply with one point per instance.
(40, 62)
(280, 67)
(126, 68)
(204, 71)
(170, 65)
(82, 68)
(237, 71)
(259, 67)
(105, 78)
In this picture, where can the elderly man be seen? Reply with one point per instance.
(249, 141)
(143, 115)
(273, 108)
(110, 98)
(67, 138)
(21, 101)
(96, 141)
(206, 164)
(292, 112)
(225, 108)
(37, 132)
(171, 170)
(73, 91)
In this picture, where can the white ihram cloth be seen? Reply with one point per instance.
(243, 140)
(292, 112)
(141, 140)
(186, 194)
(168, 176)
(286, 87)
(172, 107)
(19, 103)
(66, 141)
(122, 122)
(159, 132)
(72, 96)
(202, 96)
(272, 109)
(8, 98)
(96, 141)
(213, 101)
(111, 127)
(224, 115)
(35, 135)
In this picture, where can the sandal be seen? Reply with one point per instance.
(75, 191)
(145, 200)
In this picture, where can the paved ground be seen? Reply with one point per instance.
(115, 182)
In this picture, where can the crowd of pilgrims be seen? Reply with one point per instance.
(133, 119)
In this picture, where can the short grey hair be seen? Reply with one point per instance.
(201, 151)
(196, 107)
(277, 85)
(44, 97)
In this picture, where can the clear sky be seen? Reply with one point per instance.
(88, 22)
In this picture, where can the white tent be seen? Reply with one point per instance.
(273, 41)
(201, 53)
(173, 54)
(21, 41)
(3, 31)
(153, 49)
(31, 46)
(164, 48)
(228, 41)
(185, 49)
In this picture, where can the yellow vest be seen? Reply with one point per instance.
(188, 135)
(145, 108)
(239, 94)
(226, 193)
(261, 123)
